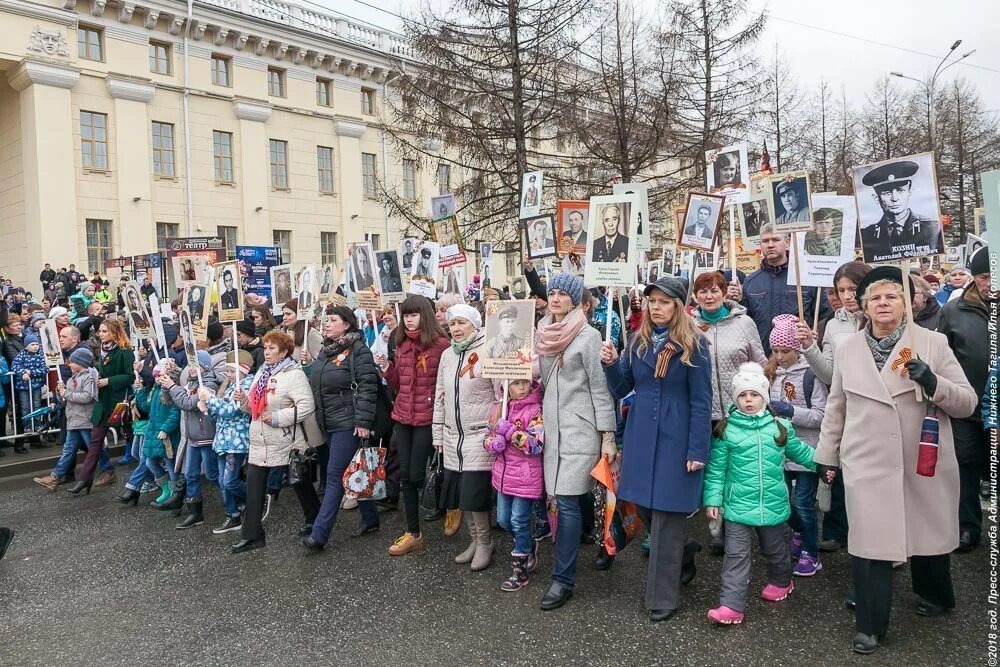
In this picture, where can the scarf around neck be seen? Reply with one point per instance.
(712, 318)
(331, 348)
(459, 348)
(553, 337)
(258, 392)
(882, 347)
(106, 350)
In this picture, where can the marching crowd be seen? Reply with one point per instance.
(868, 433)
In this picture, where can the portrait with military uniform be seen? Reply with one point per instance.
(789, 202)
(611, 242)
(898, 210)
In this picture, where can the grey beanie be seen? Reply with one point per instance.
(567, 282)
(83, 357)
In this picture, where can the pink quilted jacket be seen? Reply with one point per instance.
(517, 443)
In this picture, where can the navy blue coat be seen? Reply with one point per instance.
(669, 424)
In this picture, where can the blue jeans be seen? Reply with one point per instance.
(569, 528)
(140, 475)
(514, 516)
(160, 467)
(28, 401)
(234, 490)
(77, 439)
(803, 518)
(193, 461)
(342, 445)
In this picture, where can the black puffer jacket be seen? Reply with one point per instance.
(336, 408)
(965, 321)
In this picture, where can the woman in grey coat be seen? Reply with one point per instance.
(579, 420)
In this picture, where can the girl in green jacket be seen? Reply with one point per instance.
(745, 485)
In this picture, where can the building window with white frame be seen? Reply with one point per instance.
(222, 151)
(164, 232)
(163, 149)
(368, 101)
(324, 97)
(375, 240)
(90, 43)
(99, 248)
(368, 182)
(324, 169)
(409, 178)
(275, 82)
(221, 69)
(228, 234)
(328, 248)
(282, 239)
(159, 58)
(444, 178)
(94, 139)
(279, 164)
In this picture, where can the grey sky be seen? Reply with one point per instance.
(926, 26)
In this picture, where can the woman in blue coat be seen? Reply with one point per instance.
(667, 440)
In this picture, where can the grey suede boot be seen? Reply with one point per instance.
(484, 543)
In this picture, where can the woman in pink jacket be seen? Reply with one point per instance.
(517, 473)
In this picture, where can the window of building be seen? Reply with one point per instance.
(222, 149)
(282, 240)
(444, 179)
(367, 101)
(159, 58)
(163, 149)
(228, 236)
(220, 70)
(328, 248)
(324, 168)
(323, 90)
(279, 164)
(94, 139)
(275, 82)
(89, 43)
(375, 240)
(164, 232)
(409, 179)
(368, 166)
(98, 244)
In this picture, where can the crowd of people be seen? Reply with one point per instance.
(868, 433)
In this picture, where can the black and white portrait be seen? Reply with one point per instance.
(196, 302)
(362, 267)
(531, 194)
(443, 206)
(898, 210)
(654, 270)
(229, 287)
(613, 243)
(188, 337)
(790, 204)
(701, 221)
(753, 216)
(423, 279)
(640, 213)
(667, 261)
(541, 236)
(305, 291)
(406, 254)
(328, 282)
(612, 254)
(388, 271)
(50, 344)
(728, 173)
(281, 284)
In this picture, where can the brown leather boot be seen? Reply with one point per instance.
(50, 482)
(106, 478)
(452, 522)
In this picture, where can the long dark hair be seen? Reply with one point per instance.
(298, 332)
(430, 330)
(854, 271)
(720, 429)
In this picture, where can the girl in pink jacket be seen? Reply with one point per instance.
(517, 472)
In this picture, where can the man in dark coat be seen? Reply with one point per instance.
(46, 276)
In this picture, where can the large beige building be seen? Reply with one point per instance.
(120, 128)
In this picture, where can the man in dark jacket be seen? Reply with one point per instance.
(965, 321)
(767, 293)
(46, 276)
(246, 336)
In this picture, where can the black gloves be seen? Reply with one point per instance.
(922, 374)
(823, 472)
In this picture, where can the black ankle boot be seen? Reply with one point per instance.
(81, 486)
(194, 516)
(604, 560)
(128, 497)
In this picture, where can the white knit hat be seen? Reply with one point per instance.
(466, 312)
(750, 377)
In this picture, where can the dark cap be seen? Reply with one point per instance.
(246, 327)
(884, 272)
(826, 213)
(669, 285)
(980, 262)
(890, 174)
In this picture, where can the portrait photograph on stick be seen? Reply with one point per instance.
(362, 266)
(50, 344)
(571, 225)
(423, 279)
(728, 173)
(445, 233)
(754, 214)
(541, 236)
(612, 250)
(407, 247)
(281, 287)
(389, 274)
(135, 310)
(509, 339)
(829, 245)
(789, 202)
(229, 285)
(701, 221)
(898, 211)
(640, 215)
(443, 206)
(531, 194)
(305, 291)
(188, 337)
(328, 283)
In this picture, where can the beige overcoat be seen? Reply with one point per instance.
(872, 431)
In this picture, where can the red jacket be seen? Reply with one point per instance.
(413, 377)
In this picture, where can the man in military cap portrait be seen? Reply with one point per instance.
(900, 232)
(794, 203)
(824, 238)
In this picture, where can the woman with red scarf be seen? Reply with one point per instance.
(281, 407)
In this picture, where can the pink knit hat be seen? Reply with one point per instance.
(783, 333)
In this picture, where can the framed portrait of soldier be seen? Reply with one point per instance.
(305, 291)
(407, 247)
(829, 244)
(728, 173)
(700, 227)
(898, 212)
(228, 285)
(754, 214)
(198, 302)
(50, 344)
(445, 233)
(789, 201)
(328, 282)
(187, 335)
(136, 312)
(541, 236)
(362, 267)
(531, 194)
(423, 279)
(389, 274)
(571, 225)
(453, 279)
(654, 270)
(509, 339)
(443, 206)
(518, 288)
(668, 260)
(486, 263)
(641, 212)
(281, 287)
(611, 251)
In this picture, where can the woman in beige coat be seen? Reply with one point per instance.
(872, 436)
(281, 406)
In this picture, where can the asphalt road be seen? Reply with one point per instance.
(88, 581)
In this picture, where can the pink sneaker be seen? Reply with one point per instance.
(725, 616)
(773, 593)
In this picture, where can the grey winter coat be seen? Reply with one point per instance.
(841, 326)
(788, 386)
(578, 407)
(462, 404)
(197, 428)
(732, 341)
(80, 397)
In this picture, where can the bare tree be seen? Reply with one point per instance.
(883, 123)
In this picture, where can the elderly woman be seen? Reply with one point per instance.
(666, 443)
(281, 407)
(344, 385)
(463, 400)
(902, 482)
(579, 420)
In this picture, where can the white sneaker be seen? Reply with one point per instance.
(349, 504)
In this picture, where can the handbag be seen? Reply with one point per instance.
(364, 478)
(300, 467)
(431, 494)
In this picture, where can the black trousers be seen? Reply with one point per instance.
(414, 445)
(873, 588)
(252, 528)
(972, 453)
(392, 487)
(835, 521)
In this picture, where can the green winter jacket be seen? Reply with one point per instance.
(165, 418)
(745, 475)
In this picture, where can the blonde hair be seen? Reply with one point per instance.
(681, 328)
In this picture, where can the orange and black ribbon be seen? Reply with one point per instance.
(422, 363)
(905, 355)
(470, 367)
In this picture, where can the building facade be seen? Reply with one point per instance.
(124, 124)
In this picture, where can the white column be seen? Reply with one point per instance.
(254, 184)
(349, 132)
(136, 228)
